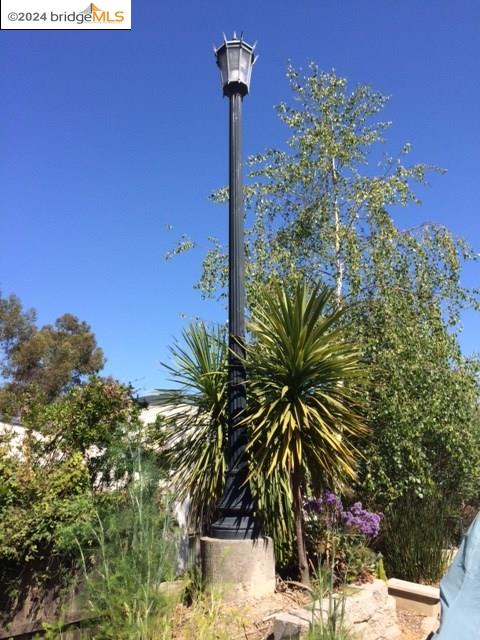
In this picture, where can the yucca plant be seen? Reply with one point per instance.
(196, 437)
(303, 407)
(300, 370)
(196, 442)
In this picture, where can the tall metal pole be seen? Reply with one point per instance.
(236, 508)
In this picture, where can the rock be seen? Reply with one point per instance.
(172, 588)
(287, 626)
(392, 633)
(372, 611)
(370, 614)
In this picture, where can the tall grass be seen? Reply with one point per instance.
(328, 614)
(134, 552)
(417, 531)
(328, 617)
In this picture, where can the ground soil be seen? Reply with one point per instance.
(247, 621)
(411, 625)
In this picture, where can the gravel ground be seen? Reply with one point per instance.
(411, 625)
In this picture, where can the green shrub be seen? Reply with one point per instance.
(135, 552)
(39, 503)
(417, 532)
(72, 453)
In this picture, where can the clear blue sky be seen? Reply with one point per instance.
(107, 137)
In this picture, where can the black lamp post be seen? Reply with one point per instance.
(235, 511)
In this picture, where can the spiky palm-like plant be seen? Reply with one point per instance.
(303, 407)
(196, 442)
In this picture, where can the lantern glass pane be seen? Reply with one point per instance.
(233, 63)
(245, 57)
(222, 63)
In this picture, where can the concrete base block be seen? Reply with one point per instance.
(418, 598)
(238, 569)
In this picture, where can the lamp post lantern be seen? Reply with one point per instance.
(235, 59)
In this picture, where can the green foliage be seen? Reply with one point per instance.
(98, 420)
(42, 363)
(16, 325)
(134, 552)
(355, 561)
(210, 617)
(417, 535)
(194, 437)
(326, 633)
(303, 406)
(422, 404)
(328, 614)
(52, 480)
(318, 210)
(337, 542)
(380, 572)
(304, 410)
(300, 370)
(323, 210)
(274, 499)
(196, 433)
(38, 503)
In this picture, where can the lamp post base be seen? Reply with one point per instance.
(235, 528)
(235, 520)
(238, 569)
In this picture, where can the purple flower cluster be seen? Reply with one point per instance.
(330, 511)
(327, 502)
(362, 521)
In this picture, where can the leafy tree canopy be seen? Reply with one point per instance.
(42, 362)
(323, 208)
